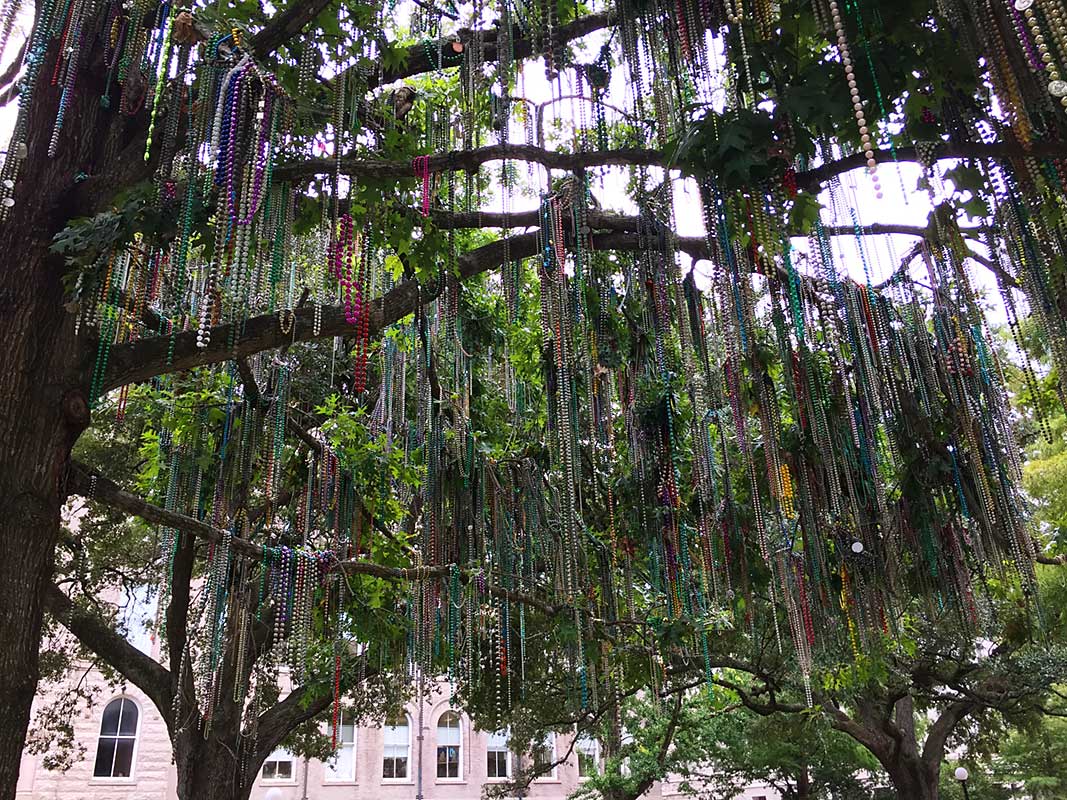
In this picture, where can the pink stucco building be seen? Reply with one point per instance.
(127, 753)
(128, 757)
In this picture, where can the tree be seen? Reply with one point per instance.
(780, 446)
(799, 759)
(719, 749)
(1033, 757)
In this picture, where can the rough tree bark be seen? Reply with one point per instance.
(46, 368)
(207, 760)
(887, 730)
(43, 399)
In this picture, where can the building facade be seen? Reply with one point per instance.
(127, 756)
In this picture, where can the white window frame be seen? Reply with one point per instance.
(327, 773)
(594, 752)
(132, 777)
(489, 748)
(459, 753)
(407, 763)
(550, 744)
(280, 754)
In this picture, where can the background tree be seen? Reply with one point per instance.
(717, 749)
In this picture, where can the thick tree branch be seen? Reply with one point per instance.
(139, 361)
(934, 748)
(96, 487)
(181, 586)
(143, 672)
(248, 380)
(285, 26)
(469, 160)
(15, 66)
(1054, 561)
(874, 740)
(812, 179)
(423, 57)
(277, 721)
(109, 493)
(149, 357)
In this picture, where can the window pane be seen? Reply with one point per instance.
(448, 731)
(545, 755)
(396, 734)
(128, 718)
(285, 770)
(123, 758)
(448, 762)
(588, 756)
(498, 740)
(587, 765)
(497, 764)
(109, 725)
(105, 755)
(541, 756)
(270, 770)
(342, 767)
(395, 767)
(348, 733)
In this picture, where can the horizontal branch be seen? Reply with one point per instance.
(469, 160)
(93, 485)
(147, 358)
(812, 179)
(423, 57)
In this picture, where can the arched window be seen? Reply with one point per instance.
(118, 739)
(588, 756)
(544, 758)
(497, 758)
(396, 748)
(341, 767)
(449, 746)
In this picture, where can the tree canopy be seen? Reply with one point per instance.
(378, 320)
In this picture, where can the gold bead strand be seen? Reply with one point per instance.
(854, 92)
(1057, 22)
(1056, 86)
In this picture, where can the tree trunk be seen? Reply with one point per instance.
(43, 409)
(913, 779)
(209, 769)
(44, 376)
